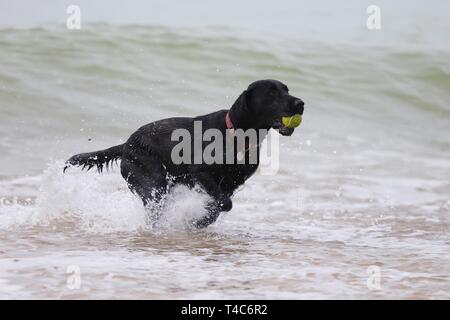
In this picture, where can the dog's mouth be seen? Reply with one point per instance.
(287, 124)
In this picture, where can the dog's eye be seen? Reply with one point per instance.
(273, 93)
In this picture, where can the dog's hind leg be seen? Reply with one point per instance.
(146, 177)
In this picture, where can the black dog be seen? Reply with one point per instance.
(150, 172)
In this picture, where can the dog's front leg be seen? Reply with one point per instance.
(220, 202)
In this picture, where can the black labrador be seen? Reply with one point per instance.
(146, 158)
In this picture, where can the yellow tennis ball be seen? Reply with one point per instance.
(292, 122)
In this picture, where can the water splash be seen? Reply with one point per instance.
(98, 204)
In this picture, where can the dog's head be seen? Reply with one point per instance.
(267, 104)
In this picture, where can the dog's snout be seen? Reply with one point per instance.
(299, 106)
(299, 103)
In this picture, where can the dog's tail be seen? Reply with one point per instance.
(100, 159)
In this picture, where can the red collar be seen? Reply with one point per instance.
(231, 128)
(228, 121)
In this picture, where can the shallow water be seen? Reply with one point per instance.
(364, 183)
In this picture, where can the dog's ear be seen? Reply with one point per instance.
(241, 112)
(241, 104)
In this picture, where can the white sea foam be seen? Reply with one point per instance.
(98, 203)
